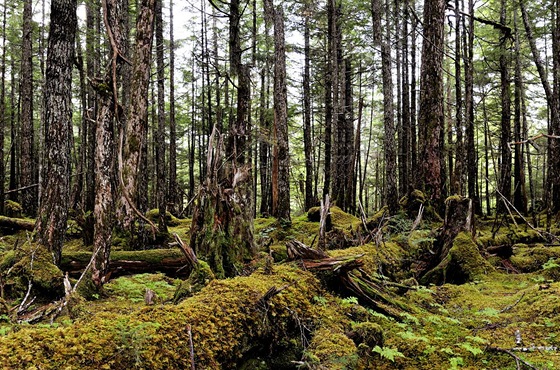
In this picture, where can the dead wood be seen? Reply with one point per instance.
(16, 223)
(168, 261)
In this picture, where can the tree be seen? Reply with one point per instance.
(28, 166)
(430, 115)
(504, 184)
(391, 190)
(280, 158)
(161, 185)
(55, 187)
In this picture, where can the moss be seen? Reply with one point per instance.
(532, 259)
(12, 209)
(462, 264)
(153, 215)
(225, 318)
(199, 277)
(332, 350)
(31, 263)
(368, 334)
(344, 221)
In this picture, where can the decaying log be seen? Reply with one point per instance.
(168, 261)
(504, 251)
(16, 223)
(349, 275)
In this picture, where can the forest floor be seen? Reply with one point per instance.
(277, 315)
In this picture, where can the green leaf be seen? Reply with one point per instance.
(474, 350)
(388, 353)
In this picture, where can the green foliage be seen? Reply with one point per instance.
(134, 287)
(388, 353)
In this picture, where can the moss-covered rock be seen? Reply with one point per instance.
(12, 209)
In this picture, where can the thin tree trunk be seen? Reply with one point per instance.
(505, 137)
(173, 191)
(28, 164)
(391, 190)
(553, 180)
(519, 193)
(51, 225)
(2, 110)
(308, 149)
(161, 184)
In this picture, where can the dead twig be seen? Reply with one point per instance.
(518, 360)
(507, 308)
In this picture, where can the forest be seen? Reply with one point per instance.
(265, 184)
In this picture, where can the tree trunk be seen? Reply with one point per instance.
(281, 159)
(28, 165)
(519, 193)
(135, 131)
(55, 188)
(553, 180)
(2, 111)
(160, 135)
(457, 183)
(390, 190)
(468, 61)
(504, 184)
(173, 191)
(430, 117)
(308, 149)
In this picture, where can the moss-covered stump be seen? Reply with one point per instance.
(30, 265)
(153, 215)
(228, 320)
(462, 264)
(199, 277)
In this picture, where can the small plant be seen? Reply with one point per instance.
(550, 264)
(388, 353)
(455, 362)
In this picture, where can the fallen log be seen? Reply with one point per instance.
(16, 223)
(346, 272)
(168, 261)
(215, 329)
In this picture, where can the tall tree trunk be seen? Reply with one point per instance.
(55, 188)
(468, 61)
(308, 149)
(329, 116)
(504, 184)
(160, 135)
(406, 160)
(391, 191)
(430, 117)
(2, 110)
(28, 165)
(173, 191)
(553, 180)
(413, 101)
(13, 136)
(519, 193)
(135, 131)
(457, 183)
(281, 160)
(92, 69)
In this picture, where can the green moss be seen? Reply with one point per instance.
(199, 277)
(225, 318)
(532, 259)
(153, 215)
(12, 209)
(332, 350)
(134, 287)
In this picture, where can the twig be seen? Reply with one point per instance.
(191, 346)
(517, 359)
(418, 218)
(505, 309)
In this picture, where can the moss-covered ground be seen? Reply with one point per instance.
(503, 314)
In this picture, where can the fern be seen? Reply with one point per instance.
(474, 350)
(387, 352)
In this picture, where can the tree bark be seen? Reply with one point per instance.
(308, 149)
(430, 117)
(55, 187)
(390, 190)
(28, 165)
(504, 184)
(135, 131)
(161, 183)
(2, 111)
(173, 191)
(281, 159)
